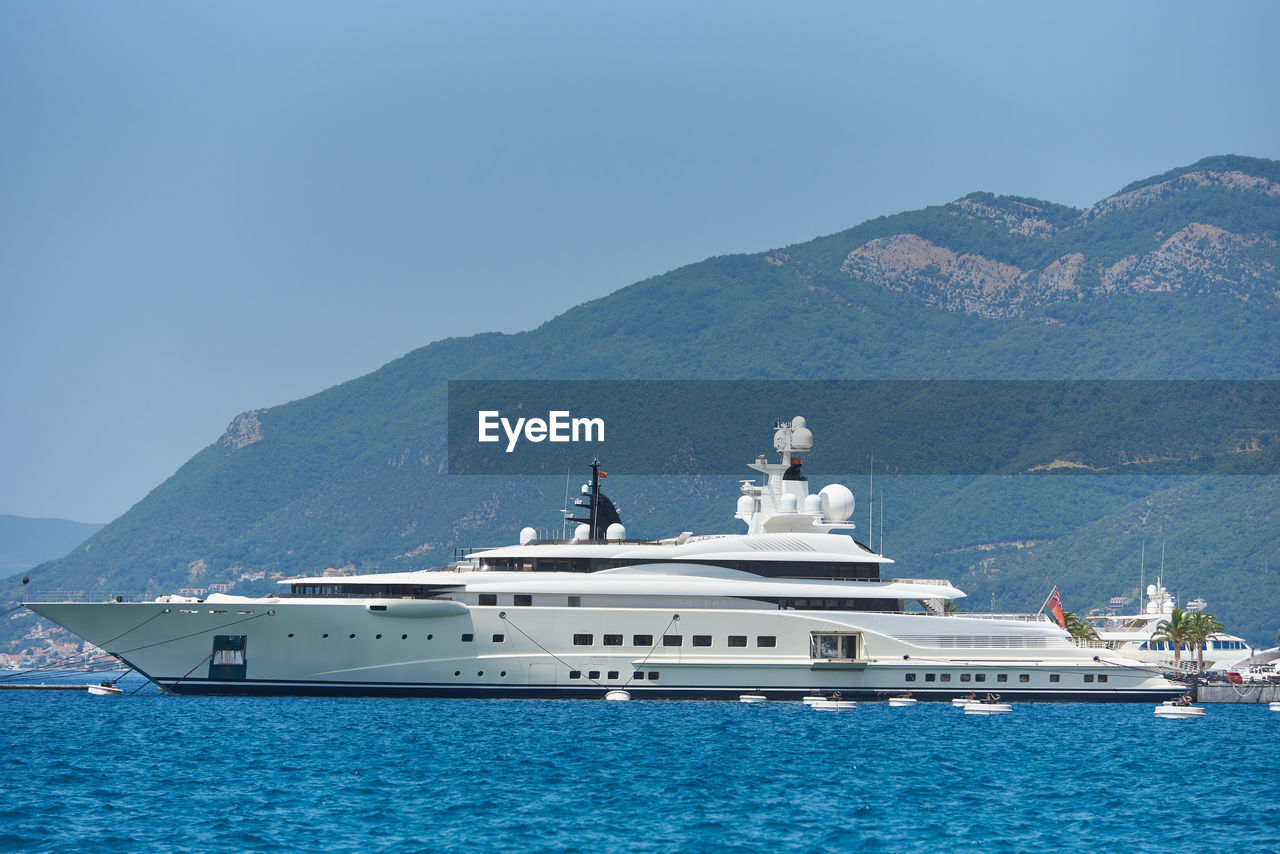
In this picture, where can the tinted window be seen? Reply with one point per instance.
(642, 640)
(766, 640)
(737, 640)
(702, 640)
(582, 640)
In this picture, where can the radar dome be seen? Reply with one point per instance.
(788, 503)
(527, 535)
(616, 531)
(1151, 590)
(801, 436)
(837, 502)
(581, 533)
(746, 505)
(812, 504)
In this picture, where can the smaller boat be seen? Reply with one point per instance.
(961, 702)
(902, 702)
(105, 689)
(988, 705)
(752, 698)
(826, 705)
(988, 709)
(814, 698)
(618, 696)
(1274, 705)
(833, 703)
(1173, 710)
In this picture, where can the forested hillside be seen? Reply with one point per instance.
(1176, 276)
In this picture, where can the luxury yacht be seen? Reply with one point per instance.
(1134, 635)
(791, 606)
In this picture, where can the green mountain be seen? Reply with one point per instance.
(1173, 277)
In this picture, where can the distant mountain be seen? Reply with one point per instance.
(25, 543)
(1175, 276)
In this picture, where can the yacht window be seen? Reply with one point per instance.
(575, 601)
(468, 638)
(930, 677)
(965, 677)
(946, 677)
(653, 674)
(766, 640)
(702, 640)
(1024, 677)
(1102, 677)
(1002, 677)
(834, 646)
(979, 677)
(639, 674)
(1088, 677)
(642, 640)
(575, 674)
(672, 640)
(613, 640)
(488, 598)
(613, 674)
(593, 674)
(737, 640)
(911, 677)
(582, 640)
(1055, 677)
(522, 599)
(499, 638)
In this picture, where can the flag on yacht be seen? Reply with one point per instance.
(1055, 605)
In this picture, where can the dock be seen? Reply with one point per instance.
(1249, 692)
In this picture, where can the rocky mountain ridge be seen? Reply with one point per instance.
(1196, 258)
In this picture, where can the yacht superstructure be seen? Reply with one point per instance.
(792, 606)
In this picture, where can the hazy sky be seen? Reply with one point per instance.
(207, 208)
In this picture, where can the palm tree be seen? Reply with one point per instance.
(1078, 628)
(1201, 627)
(1174, 631)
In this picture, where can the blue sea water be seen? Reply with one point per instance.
(151, 772)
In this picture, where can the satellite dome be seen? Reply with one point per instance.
(616, 531)
(527, 535)
(581, 533)
(837, 502)
(746, 505)
(801, 436)
(812, 504)
(788, 503)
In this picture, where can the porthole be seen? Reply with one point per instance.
(457, 673)
(503, 673)
(428, 637)
(352, 637)
(479, 672)
(290, 634)
(325, 635)
(375, 637)
(404, 637)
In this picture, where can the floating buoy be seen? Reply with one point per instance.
(618, 695)
(752, 698)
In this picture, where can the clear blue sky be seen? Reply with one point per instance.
(215, 207)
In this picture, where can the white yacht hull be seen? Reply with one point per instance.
(344, 647)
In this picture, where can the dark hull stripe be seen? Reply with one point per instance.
(589, 692)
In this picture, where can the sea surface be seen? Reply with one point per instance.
(147, 772)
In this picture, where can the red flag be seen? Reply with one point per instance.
(1055, 605)
(603, 475)
(795, 461)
